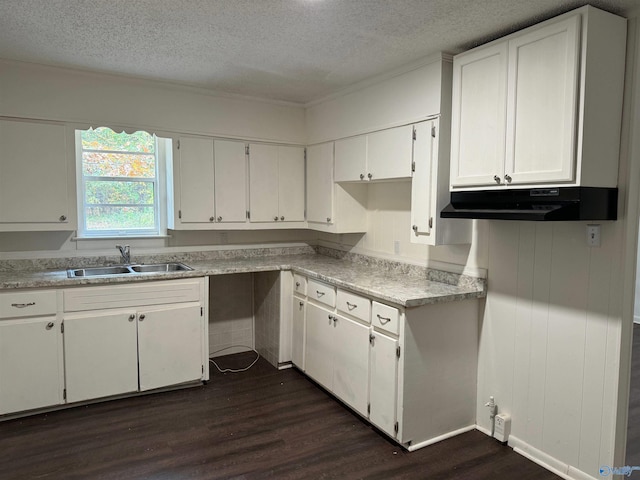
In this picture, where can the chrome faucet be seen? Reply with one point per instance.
(125, 253)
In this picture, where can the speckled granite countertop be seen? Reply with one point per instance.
(400, 284)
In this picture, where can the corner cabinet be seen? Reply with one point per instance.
(209, 184)
(332, 207)
(542, 106)
(37, 185)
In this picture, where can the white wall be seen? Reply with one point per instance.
(42, 92)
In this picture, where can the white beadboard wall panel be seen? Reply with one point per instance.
(43, 92)
(550, 339)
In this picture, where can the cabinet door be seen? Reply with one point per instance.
(230, 181)
(319, 346)
(351, 159)
(195, 164)
(422, 183)
(169, 346)
(263, 182)
(33, 173)
(320, 183)
(478, 116)
(291, 184)
(298, 333)
(383, 382)
(30, 364)
(389, 153)
(542, 104)
(351, 363)
(101, 354)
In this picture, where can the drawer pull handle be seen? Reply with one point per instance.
(319, 293)
(351, 306)
(50, 325)
(23, 305)
(384, 320)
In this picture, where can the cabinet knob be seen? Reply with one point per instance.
(362, 176)
(63, 218)
(414, 228)
(132, 317)
(328, 219)
(50, 325)
(508, 178)
(282, 218)
(211, 219)
(297, 284)
(301, 304)
(275, 218)
(142, 317)
(330, 319)
(497, 179)
(220, 218)
(369, 176)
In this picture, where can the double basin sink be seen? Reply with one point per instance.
(127, 269)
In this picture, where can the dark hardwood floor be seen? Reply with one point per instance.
(263, 423)
(633, 422)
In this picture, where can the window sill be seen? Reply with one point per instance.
(121, 237)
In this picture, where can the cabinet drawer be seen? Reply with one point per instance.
(354, 305)
(299, 284)
(28, 304)
(321, 292)
(385, 317)
(132, 295)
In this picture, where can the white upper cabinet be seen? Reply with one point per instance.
(36, 185)
(276, 183)
(210, 183)
(332, 207)
(542, 106)
(381, 155)
(479, 116)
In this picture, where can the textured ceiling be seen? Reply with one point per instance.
(293, 50)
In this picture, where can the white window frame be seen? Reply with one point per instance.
(159, 182)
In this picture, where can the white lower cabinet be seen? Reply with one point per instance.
(101, 354)
(170, 346)
(30, 364)
(298, 332)
(31, 358)
(411, 371)
(383, 381)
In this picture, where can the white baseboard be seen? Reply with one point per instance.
(431, 441)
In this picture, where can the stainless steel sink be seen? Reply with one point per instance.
(160, 267)
(127, 269)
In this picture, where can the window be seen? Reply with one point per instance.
(119, 183)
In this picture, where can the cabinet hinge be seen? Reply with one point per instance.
(248, 214)
(433, 131)
(430, 222)
(305, 154)
(201, 311)
(246, 150)
(178, 147)
(368, 408)
(413, 167)
(62, 327)
(202, 368)
(179, 213)
(64, 394)
(395, 427)
(398, 351)
(415, 134)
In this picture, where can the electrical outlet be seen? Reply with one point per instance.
(593, 235)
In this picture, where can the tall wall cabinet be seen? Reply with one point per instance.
(541, 106)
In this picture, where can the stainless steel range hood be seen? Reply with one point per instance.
(535, 204)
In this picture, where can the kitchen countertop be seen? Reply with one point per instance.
(405, 288)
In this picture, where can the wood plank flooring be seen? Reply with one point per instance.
(263, 423)
(633, 422)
